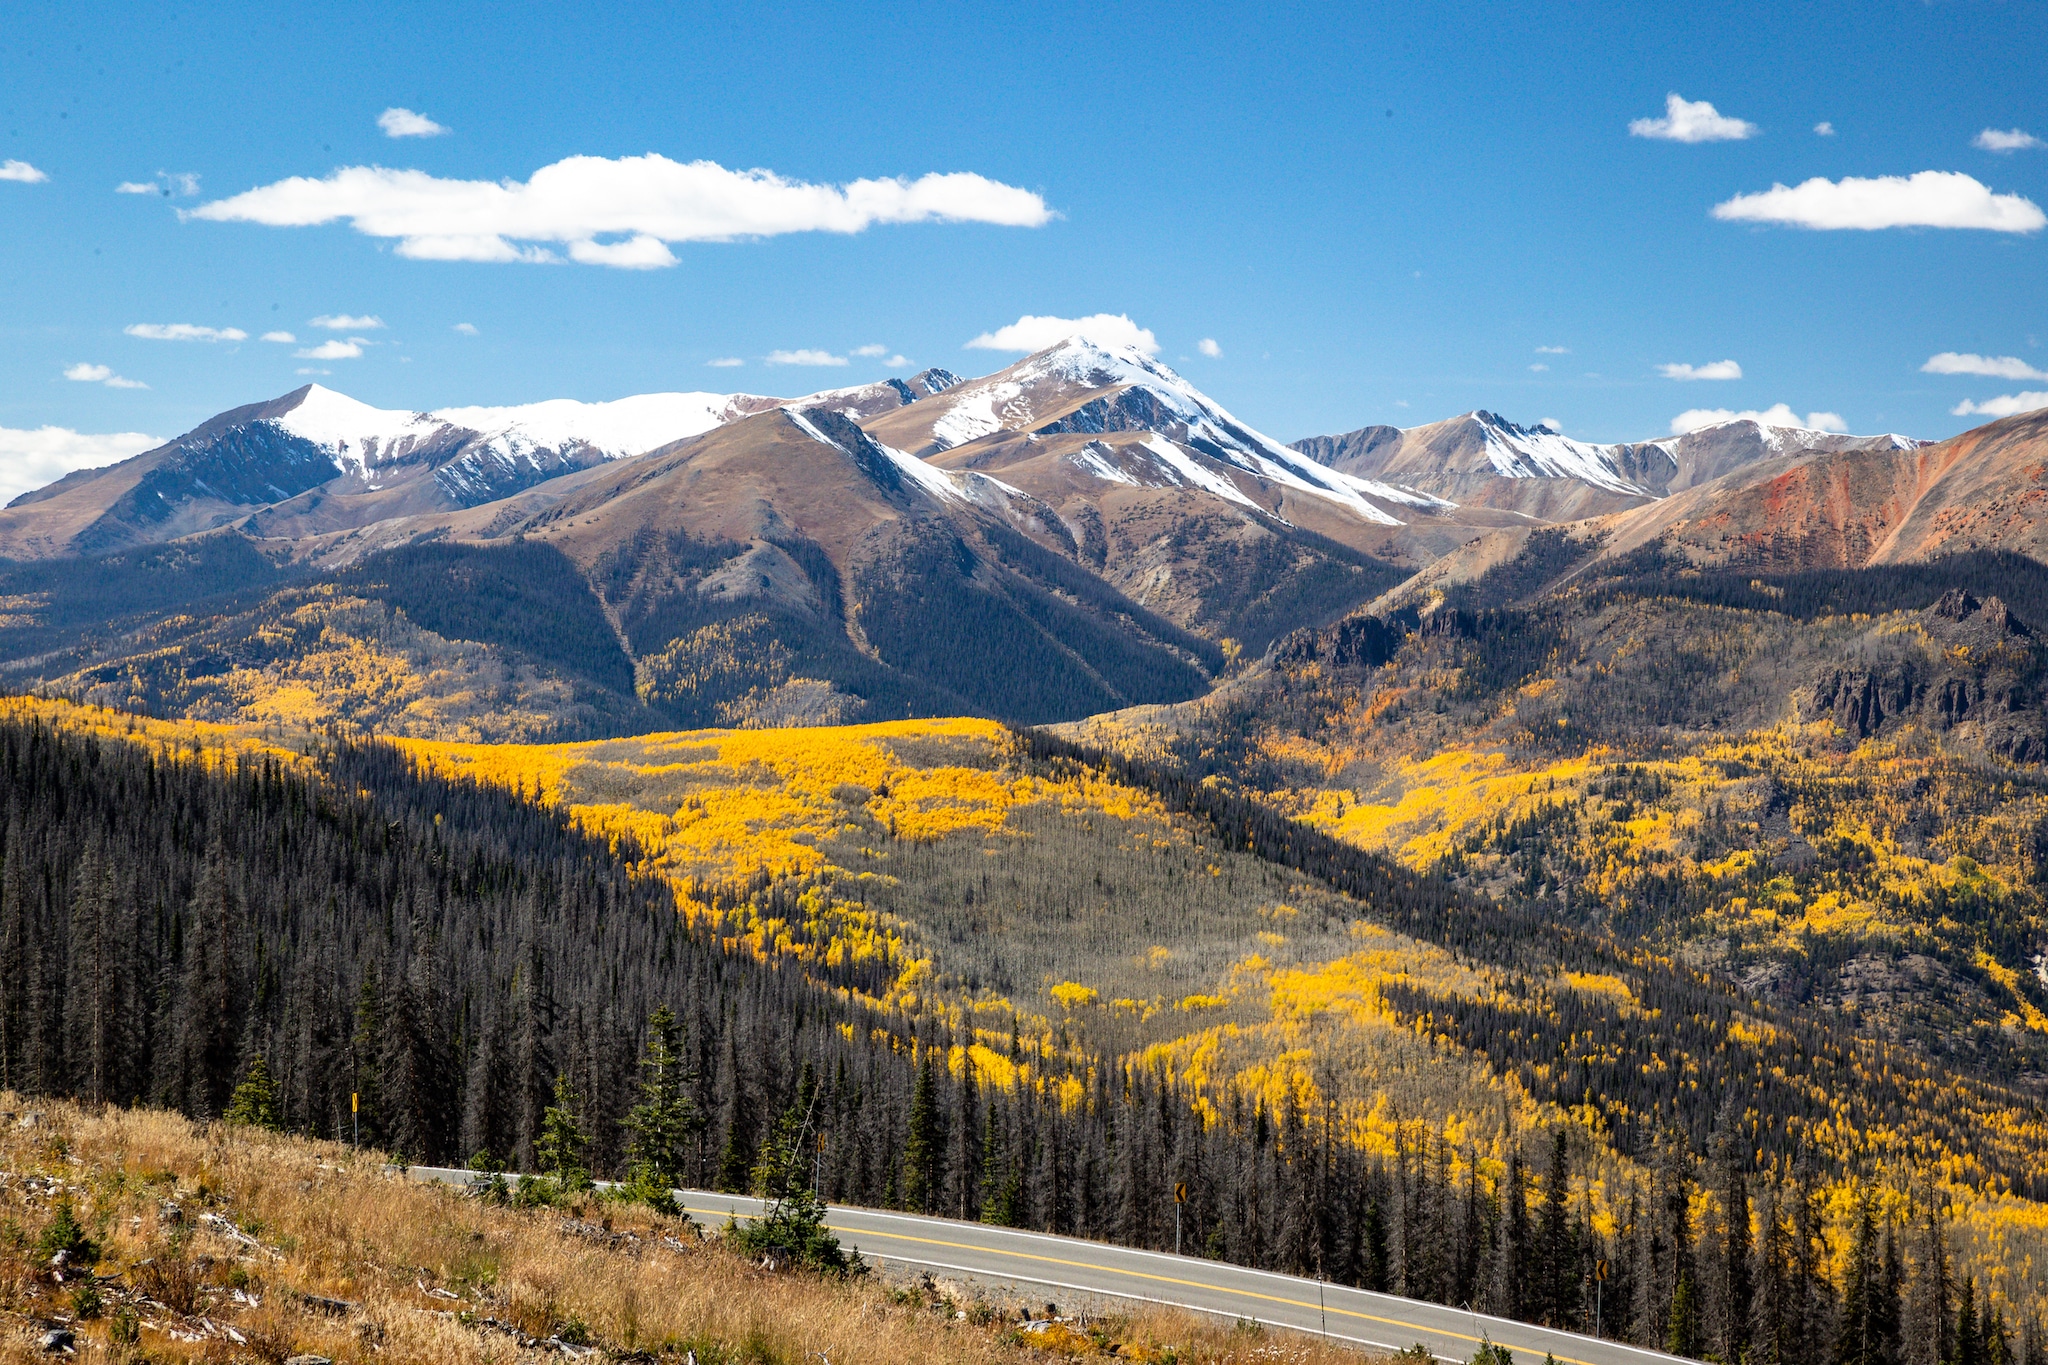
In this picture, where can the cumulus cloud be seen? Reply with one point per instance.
(1990, 366)
(725, 362)
(1713, 369)
(2005, 406)
(405, 123)
(1030, 333)
(2007, 140)
(896, 360)
(337, 349)
(620, 212)
(1692, 121)
(183, 331)
(347, 322)
(1938, 199)
(22, 172)
(805, 356)
(87, 373)
(871, 349)
(1824, 128)
(1552, 424)
(468, 329)
(31, 458)
(1208, 347)
(282, 338)
(1776, 415)
(1553, 350)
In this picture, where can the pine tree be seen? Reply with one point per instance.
(1558, 1261)
(1511, 1260)
(560, 1150)
(1969, 1344)
(1770, 1329)
(1857, 1343)
(1933, 1313)
(924, 1149)
(255, 1099)
(665, 1122)
(1737, 1286)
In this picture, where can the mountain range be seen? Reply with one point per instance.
(1079, 532)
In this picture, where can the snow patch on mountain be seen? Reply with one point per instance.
(1537, 453)
(360, 438)
(1206, 428)
(622, 427)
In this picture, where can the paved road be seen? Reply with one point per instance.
(1058, 1269)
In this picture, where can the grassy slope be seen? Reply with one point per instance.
(423, 1274)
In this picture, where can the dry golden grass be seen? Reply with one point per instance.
(279, 1246)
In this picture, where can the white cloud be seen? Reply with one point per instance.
(282, 338)
(805, 357)
(468, 329)
(2009, 140)
(1692, 121)
(337, 349)
(87, 373)
(1714, 369)
(30, 459)
(1553, 350)
(639, 252)
(2004, 406)
(871, 349)
(165, 184)
(1209, 347)
(648, 201)
(183, 331)
(725, 362)
(1538, 368)
(1030, 333)
(21, 171)
(897, 360)
(1776, 415)
(308, 369)
(1939, 199)
(1824, 128)
(1552, 424)
(346, 322)
(405, 123)
(1990, 366)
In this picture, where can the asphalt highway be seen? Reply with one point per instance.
(1074, 1274)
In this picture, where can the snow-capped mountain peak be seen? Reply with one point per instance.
(1518, 452)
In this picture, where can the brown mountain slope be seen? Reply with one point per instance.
(1482, 460)
(787, 565)
(1986, 489)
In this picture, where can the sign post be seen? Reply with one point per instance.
(1599, 1283)
(1180, 1196)
(355, 1124)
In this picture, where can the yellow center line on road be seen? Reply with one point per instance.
(1159, 1279)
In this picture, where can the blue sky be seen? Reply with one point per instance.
(1377, 213)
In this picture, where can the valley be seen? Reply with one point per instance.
(1463, 855)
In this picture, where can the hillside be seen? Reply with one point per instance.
(218, 1240)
